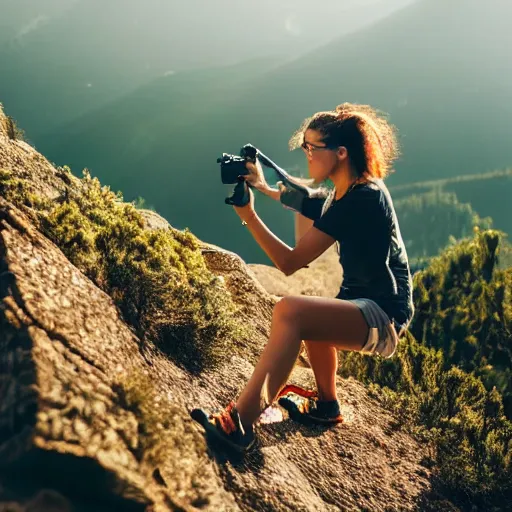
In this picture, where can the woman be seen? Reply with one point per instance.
(352, 147)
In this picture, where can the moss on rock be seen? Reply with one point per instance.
(157, 278)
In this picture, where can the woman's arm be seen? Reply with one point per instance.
(302, 226)
(300, 199)
(286, 259)
(257, 180)
(273, 193)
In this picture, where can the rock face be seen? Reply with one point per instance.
(90, 419)
(63, 351)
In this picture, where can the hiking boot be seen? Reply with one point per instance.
(226, 427)
(304, 406)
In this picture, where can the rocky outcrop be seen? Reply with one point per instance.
(92, 419)
(65, 355)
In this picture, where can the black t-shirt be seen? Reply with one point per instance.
(372, 252)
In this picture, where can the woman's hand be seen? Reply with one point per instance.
(247, 211)
(255, 178)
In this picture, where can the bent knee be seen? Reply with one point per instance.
(286, 309)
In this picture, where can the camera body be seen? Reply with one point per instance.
(232, 166)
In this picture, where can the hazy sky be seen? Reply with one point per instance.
(195, 31)
(97, 50)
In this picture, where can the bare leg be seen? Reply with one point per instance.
(329, 323)
(276, 361)
(323, 359)
(324, 362)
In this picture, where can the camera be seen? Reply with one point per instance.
(232, 166)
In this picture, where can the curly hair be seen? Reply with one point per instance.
(370, 139)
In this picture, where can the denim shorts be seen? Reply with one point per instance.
(382, 335)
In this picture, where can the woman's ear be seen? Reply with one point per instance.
(342, 153)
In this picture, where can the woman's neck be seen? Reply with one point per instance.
(342, 183)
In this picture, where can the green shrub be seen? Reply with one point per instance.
(158, 278)
(446, 381)
(141, 204)
(19, 192)
(470, 436)
(464, 307)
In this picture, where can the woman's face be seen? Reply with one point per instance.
(322, 161)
